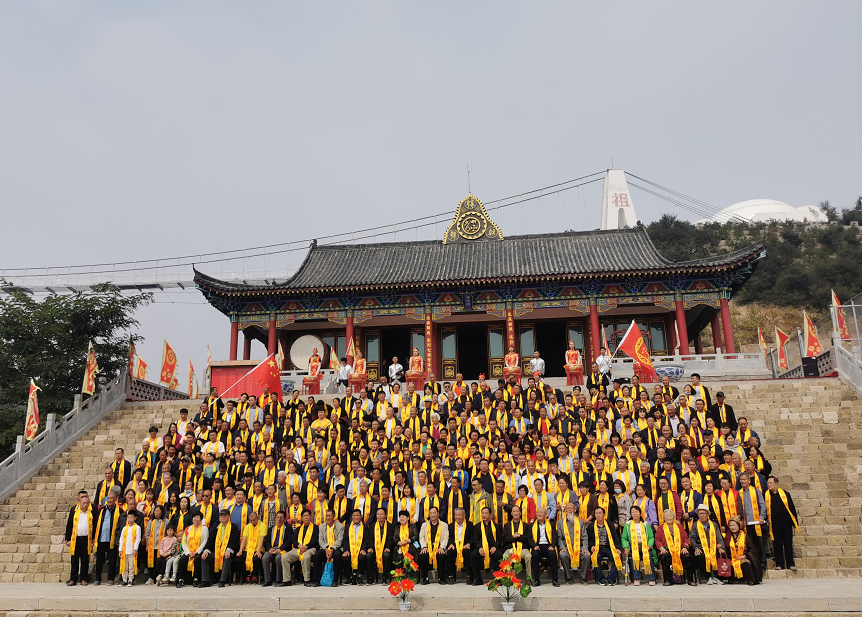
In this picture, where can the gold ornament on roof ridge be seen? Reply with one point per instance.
(471, 222)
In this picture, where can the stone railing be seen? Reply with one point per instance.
(714, 365)
(59, 433)
(849, 364)
(140, 390)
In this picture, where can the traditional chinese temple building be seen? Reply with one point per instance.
(463, 299)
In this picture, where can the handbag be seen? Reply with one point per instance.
(725, 568)
(328, 575)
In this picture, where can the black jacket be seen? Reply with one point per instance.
(288, 540)
(476, 541)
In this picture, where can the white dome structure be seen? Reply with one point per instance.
(762, 210)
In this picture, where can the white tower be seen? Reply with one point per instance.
(618, 211)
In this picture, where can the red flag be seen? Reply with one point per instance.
(169, 365)
(780, 341)
(812, 343)
(132, 353)
(31, 426)
(334, 364)
(267, 374)
(762, 342)
(91, 371)
(634, 346)
(192, 380)
(142, 369)
(351, 348)
(841, 326)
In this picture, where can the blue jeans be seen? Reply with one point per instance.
(637, 573)
(598, 574)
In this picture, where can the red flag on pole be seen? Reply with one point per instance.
(762, 342)
(132, 353)
(812, 343)
(780, 341)
(169, 366)
(267, 374)
(90, 372)
(634, 346)
(31, 425)
(841, 326)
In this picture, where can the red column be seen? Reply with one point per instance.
(595, 330)
(669, 321)
(698, 344)
(727, 326)
(234, 338)
(430, 345)
(246, 346)
(349, 335)
(272, 344)
(716, 333)
(681, 327)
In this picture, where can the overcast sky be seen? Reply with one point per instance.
(134, 130)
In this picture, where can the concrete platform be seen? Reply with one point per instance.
(787, 597)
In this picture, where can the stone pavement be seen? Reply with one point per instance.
(778, 596)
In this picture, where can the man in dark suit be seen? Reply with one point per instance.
(460, 537)
(224, 540)
(722, 413)
(79, 538)
(485, 534)
(544, 542)
(378, 548)
(277, 542)
(121, 467)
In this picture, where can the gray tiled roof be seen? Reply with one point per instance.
(605, 252)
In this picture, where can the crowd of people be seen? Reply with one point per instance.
(602, 482)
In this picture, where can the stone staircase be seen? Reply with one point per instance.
(807, 425)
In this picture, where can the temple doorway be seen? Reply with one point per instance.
(394, 342)
(473, 350)
(552, 342)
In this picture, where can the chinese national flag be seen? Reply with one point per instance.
(169, 365)
(90, 373)
(267, 374)
(780, 341)
(132, 352)
(634, 346)
(812, 343)
(31, 426)
(841, 326)
(141, 373)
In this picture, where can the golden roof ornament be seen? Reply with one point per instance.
(471, 222)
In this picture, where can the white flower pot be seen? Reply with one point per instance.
(508, 607)
(404, 606)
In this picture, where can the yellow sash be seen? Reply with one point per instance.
(517, 546)
(123, 549)
(459, 547)
(433, 545)
(573, 542)
(485, 546)
(252, 542)
(674, 545)
(355, 544)
(75, 521)
(768, 498)
(737, 552)
(548, 533)
(113, 530)
(709, 546)
(194, 543)
(595, 557)
(304, 536)
(583, 502)
(755, 509)
(153, 543)
(640, 550)
(404, 536)
(379, 543)
(222, 539)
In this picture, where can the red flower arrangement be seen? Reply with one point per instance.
(402, 581)
(506, 581)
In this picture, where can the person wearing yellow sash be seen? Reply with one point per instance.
(707, 544)
(105, 538)
(543, 542)
(130, 539)
(433, 540)
(573, 544)
(639, 547)
(458, 551)
(79, 538)
(154, 531)
(743, 553)
(754, 514)
(221, 558)
(379, 551)
(305, 547)
(250, 553)
(672, 543)
(604, 547)
(354, 557)
(782, 519)
(195, 541)
(485, 544)
(278, 542)
(516, 538)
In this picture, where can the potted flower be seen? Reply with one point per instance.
(402, 582)
(508, 585)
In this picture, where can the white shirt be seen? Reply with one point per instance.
(394, 369)
(129, 541)
(344, 371)
(83, 528)
(537, 365)
(604, 363)
(215, 448)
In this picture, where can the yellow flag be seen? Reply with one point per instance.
(192, 380)
(141, 372)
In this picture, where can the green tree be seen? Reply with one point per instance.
(47, 340)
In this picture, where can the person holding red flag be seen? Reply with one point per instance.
(634, 346)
